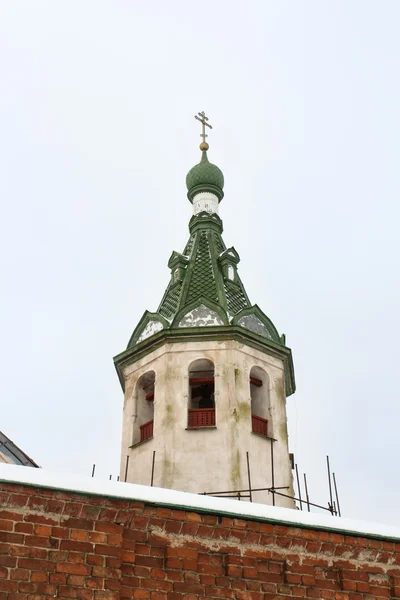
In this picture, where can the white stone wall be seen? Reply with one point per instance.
(205, 201)
(205, 460)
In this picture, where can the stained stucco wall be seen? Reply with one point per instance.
(205, 460)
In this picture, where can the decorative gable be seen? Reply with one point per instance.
(151, 329)
(254, 324)
(230, 255)
(149, 325)
(201, 316)
(256, 321)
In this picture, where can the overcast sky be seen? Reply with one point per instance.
(96, 137)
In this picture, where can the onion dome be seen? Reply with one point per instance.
(205, 177)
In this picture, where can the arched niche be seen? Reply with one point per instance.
(144, 396)
(260, 402)
(201, 403)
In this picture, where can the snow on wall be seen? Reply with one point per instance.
(161, 496)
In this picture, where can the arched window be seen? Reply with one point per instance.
(231, 273)
(201, 408)
(144, 396)
(259, 392)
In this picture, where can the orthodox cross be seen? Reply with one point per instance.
(203, 120)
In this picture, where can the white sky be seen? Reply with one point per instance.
(97, 133)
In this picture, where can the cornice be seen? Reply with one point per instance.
(218, 333)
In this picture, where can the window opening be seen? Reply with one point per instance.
(143, 426)
(259, 393)
(201, 409)
(231, 273)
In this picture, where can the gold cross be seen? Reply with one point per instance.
(203, 120)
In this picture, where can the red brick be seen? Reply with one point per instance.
(40, 576)
(106, 573)
(12, 538)
(114, 540)
(13, 516)
(95, 537)
(94, 583)
(42, 530)
(182, 552)
(78, 523)
(94, 559)
(106, 595)
(91, 554)
(189, 588)
(123, 517)
(107, 550)
(161, 596)
(189, 529)
(138, 593)
(6, 525)
(8, 586)
(19, 574)
(77, 557)
(34, 518)
(17, 500)
(73, 509)
(109, 527)
(73, 546)
(72, 569)
(36, 564)
(192, 516)
(23, 528)
(55, 506)
(43, 542)
(128, 557)
(8, 561)
(78, 580)
(149, 561)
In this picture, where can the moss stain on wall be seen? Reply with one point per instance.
(280, 390)
(169, 416)
(244, 410)
(235, 469)
(129, 388)
(283, 431)
(167, 475)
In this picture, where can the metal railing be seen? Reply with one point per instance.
(146, 431)
(201, 417)
(259, 425)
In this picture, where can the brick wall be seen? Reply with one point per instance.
(66, 545)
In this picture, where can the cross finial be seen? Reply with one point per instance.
(201, 116)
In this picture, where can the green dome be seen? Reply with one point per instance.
(205, 177)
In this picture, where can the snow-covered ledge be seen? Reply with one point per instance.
(182, 500)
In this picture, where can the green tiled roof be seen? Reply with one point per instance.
(205, 177)
(204, 275)
(205, 290)
(202, 280)
(169, 305)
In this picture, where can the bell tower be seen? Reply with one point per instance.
(206, 376)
